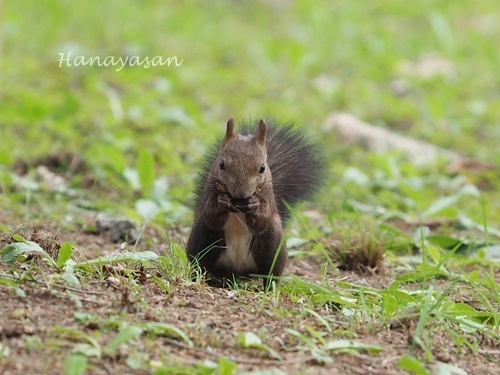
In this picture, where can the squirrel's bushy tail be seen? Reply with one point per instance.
(296, 165)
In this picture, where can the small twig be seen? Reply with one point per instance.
(54, 285)
(432, 223)
(489, 352)
(244, 361)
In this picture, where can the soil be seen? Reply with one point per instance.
(34, 340)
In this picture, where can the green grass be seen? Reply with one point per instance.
(141, 134)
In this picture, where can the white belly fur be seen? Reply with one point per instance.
(238, 238)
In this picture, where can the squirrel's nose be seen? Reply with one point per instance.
(242, 193)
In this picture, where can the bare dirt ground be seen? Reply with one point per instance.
(209, 316)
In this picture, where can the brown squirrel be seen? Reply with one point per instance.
(240, 209)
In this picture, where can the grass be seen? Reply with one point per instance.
(394, 267)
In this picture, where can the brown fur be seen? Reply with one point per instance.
(242, 178)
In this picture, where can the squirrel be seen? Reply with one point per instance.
(242, 193)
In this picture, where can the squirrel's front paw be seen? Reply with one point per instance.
(224, 201)
(248, 205)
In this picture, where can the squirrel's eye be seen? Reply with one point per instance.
(221, 165)
(262, 168)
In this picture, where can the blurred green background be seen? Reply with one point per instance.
(428, 69)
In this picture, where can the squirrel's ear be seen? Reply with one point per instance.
(261, 133)
(230, 128)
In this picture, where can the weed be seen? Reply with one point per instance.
(363, 253)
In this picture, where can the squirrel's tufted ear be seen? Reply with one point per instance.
(230, 128)
(261, 133)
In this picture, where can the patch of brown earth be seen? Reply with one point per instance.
(32, 342)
